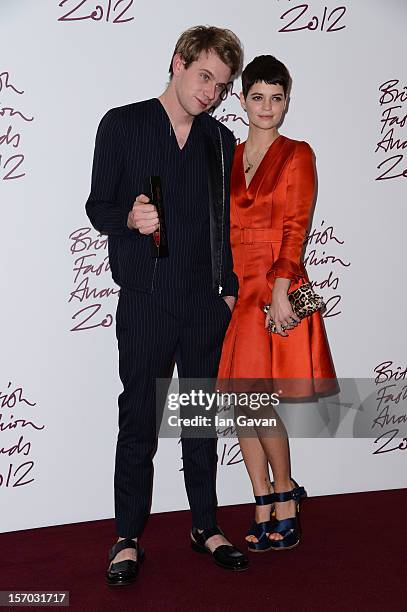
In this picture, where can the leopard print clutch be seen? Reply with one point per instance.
(304, 302)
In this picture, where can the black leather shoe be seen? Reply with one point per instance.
(124, 572)
(225, 555)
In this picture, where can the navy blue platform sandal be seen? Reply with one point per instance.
(288, 528)
(262, 530)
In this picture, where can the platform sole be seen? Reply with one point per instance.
(285, 547)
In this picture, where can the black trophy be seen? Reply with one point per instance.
(159, 244)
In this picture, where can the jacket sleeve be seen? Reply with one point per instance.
(231, 283)
(299, 203)
(102, 207)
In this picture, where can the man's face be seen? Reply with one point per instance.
(198, 87)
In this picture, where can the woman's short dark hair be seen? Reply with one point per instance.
(268, 69)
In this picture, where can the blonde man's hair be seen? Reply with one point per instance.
(200, 38)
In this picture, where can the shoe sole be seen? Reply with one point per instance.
(232, 569)
(285, 547)
(203, 550)
(121, 584)
(259, 550)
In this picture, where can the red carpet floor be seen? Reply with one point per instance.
(352, 557)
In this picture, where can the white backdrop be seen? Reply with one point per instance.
(58, 374)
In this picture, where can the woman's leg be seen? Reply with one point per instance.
(257, 467)
(277, 452)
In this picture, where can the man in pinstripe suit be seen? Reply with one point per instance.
(176, 307)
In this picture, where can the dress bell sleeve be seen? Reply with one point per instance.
(299, 203)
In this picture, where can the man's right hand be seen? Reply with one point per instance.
(143, 216)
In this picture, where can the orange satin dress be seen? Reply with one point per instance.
(269, 220)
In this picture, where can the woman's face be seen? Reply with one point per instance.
(265, 105)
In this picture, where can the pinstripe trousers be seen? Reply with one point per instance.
(152, 333)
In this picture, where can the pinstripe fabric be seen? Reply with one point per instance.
(151, 330)
(167, 309)
(185, 191)
(132, 143)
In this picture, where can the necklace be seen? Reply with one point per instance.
(251, 164)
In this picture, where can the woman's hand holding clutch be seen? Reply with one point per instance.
(280, 310)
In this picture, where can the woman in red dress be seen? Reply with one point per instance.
(272, 195)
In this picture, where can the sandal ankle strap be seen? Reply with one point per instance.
(264, 500)
(294, 494)
(119, 546)
(205, 534)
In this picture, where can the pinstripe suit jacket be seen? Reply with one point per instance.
(126, 152)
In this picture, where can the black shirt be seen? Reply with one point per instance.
(185, 194)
